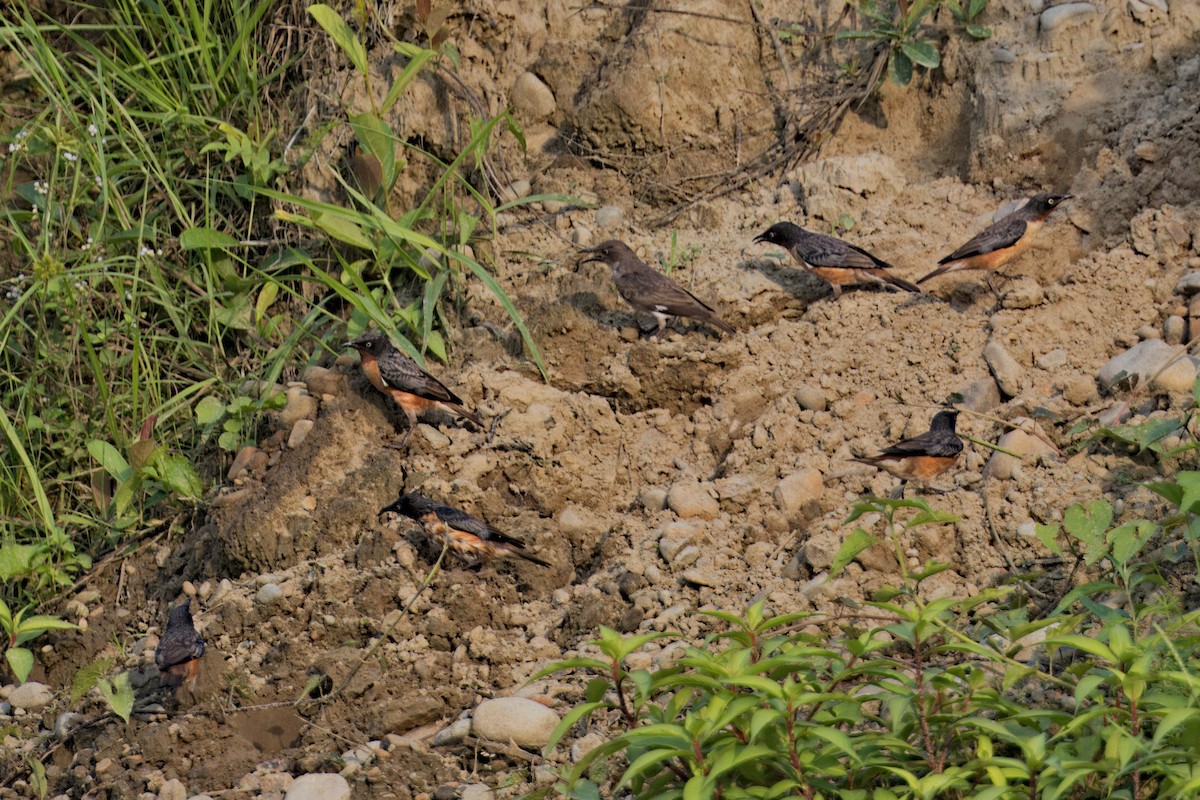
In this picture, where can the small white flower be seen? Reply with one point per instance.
(22, 134)
(99, 183)
(40, 187)
(146, 251)
(92, 129)
(69, 156)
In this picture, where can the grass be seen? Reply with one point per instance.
(148, 276)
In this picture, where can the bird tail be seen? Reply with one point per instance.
(531, 557)
(718, 322)
(899, 283)
(462, 412)
(951, 266)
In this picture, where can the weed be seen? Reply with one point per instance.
(899, 25)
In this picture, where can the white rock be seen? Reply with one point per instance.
(1004, 367)
(173, 790)
(319, 786)
(693, 500)
(1066, 15)
(517, 719)
(811, 398)
(532, 99)
(300, 405)
(1055, 359)
(476, 791)
(268, 594)
(795, 493)
(1144, 360)
(299, 433)
(609, 218)
(1030, 448)
(30, 696)
(455, 733)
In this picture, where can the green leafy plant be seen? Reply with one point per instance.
(899, 25)
(677, 256)
(19, 629)
(150, 474)
(117, 692)
(235, 418)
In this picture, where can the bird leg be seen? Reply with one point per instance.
(412, 426)
(898, 492)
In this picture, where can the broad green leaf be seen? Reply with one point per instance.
(88, 676)
(15, 560)
(923, 53)
(341, 34)
(111, 460)
(180, 477)
(417, 56)
(206, 239)
(119, 695)
(1048, 536)
(20, 661)
(567, 722)
(1086, 644)
(900, 68)
(32, 627)
(979, 31)
(855, 543)
(266, 296)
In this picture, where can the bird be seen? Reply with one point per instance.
(922, 457)
(834, 260)
(180, 649)
(400, 378)
(1001, 242)
(649, 290)
(367, 171)
(468, 537)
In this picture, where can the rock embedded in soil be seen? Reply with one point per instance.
(692, 500)
(268, 594)
(1004, 367)
(1065, 16)
(1174, 329)
(811, 398)
(1144, 360)
(319, 786)
(980, 395)
(300, 405)
(173, 790)
(1189, 283)
(516, 719)
(476, 791)
(799, 494)
(320, 381)
(1030, 448)
(299, 433)
(31, 696)
(532, 99)
(609, 218)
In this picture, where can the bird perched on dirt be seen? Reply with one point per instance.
(922, 457)
(469, 538)
(1001, 242)
(649, 290)
(833, 260)
(400, 378)
(180, 649)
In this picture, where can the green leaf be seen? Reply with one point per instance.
(979, 32)
(266, 296)
(1086, 644)
(417, 56)
(119, 695)
(206, 239)
(567, 722)
(923, 53)
(20, 661)
(16, 560)
(855, 543)
(180, 477)
(88, 676)
(32, 627)
(1048, 535)
(341, 34)
(111, 460)
(900, 68)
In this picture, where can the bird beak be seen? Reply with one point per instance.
(352, 343)
(589, 257)
(762, 237)
(394, 508)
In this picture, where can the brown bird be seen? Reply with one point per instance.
(470, 538)
(649, 290)
(400, 378)
(180, 649)
(368, 172)
(922, 457)
(1001, 242)
(835, 261)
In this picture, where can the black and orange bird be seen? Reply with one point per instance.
(468, 537)
(923, 457)
(833, 260)
(648, 290)
(400, 378)
(1001, 242)
(180, 649)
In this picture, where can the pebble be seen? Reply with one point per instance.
(692, 500)
(1189, 283)
(654, 498)
(268, 594)
(1022, 294)
(173, 790)
(300, 405)
(299, 433)
(1030, 448)
(586, 744)
(811, 398)
(355, 759)
(319, 786)
(476, 791)
(581, 236)
(65, 723)
(1004, 367)
(1174, 329)
(241, 462)
(517, 719)
(1080, 391)
(980, 395)
(104, 765)
(799, 493)
(1145, 359)
(1055, 359)
(532, 98)
(609, 218)
(31, 696)
(578, 521)
(455, 733)
(321, 381)
(1065, 15)
(674, 538)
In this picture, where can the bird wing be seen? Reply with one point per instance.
(401, 372)
(1004, 233)
(817, 250)
(941, 444)
(178, 646)
(650, 289)
(462, 521)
